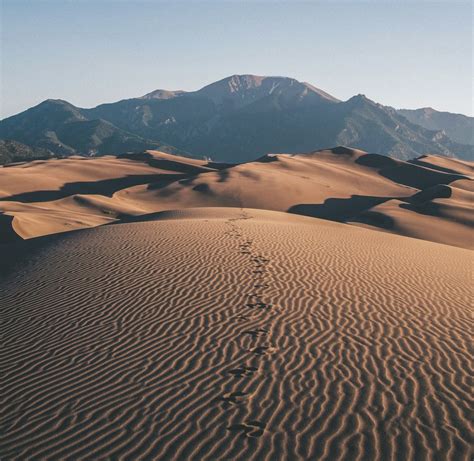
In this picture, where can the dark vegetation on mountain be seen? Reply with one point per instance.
(13, 151)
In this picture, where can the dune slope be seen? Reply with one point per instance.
(236, 334)
(340, 184)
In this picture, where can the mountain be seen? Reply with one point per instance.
(222, 119)
(58, 127)
(377, 128)
(163, 94)
(244, 116)
(241, 90)
(234, 120)
(13, 151)
(458, 127)
(42, 125)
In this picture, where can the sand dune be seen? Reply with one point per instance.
(236, 334)
(445, 164)
(58, 177)
(439, 213)
(51, 196)
(429, 198)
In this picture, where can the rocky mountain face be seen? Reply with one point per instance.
(458, 127)
(235, 119)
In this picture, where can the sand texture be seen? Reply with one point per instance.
(429, 198)
(236, 334)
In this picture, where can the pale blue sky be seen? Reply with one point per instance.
(402, 53)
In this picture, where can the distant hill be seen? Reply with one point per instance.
(58, 127)
(233, 120)
(458, 127)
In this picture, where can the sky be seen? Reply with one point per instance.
(402, 53)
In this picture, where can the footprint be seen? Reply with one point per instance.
(254, 295)
(263, 350)
(249, 428)
(260, 260)
(260, 305)
(243, 371)
(264, 305)
(242, 317)
(256, 333)
(234, 397)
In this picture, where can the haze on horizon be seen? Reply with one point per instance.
(410, 55)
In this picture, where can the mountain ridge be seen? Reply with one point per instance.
(458, 127)
(59, 128)
(235, 119)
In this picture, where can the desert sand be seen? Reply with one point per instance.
(429, 198)
(229, 333)
(260, 311)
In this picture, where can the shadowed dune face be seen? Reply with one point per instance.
(236, 334)
(105, 187)
(49, 180)
(439, 213)
(340, 184)
(338, 209)
(447, 165)
(7, 234)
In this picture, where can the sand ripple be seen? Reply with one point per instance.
(237, 334)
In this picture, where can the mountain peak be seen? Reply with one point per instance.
(163, 94)
(245, 89)
(360, 97)
(245, 81)
(242, 89)
(361, 100)
(57, 109)
(57, 103)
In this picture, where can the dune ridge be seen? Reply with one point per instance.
(429, 198)
(226, 333)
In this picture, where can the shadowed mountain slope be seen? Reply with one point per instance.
(458, 127)
(55, 126)
(14, 151)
